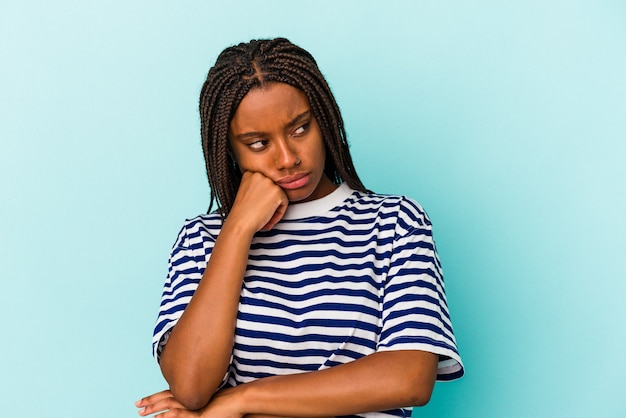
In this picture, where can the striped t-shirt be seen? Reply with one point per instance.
(336, 279)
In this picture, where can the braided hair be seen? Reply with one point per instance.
(254, 64)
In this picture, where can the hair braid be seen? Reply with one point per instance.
(245, 66)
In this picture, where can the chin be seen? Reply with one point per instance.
(296, 196)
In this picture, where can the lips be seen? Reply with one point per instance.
(293, 182)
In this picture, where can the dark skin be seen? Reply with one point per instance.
(278, 146)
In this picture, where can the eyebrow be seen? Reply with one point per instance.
(293, 122)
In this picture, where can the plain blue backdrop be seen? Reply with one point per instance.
(506, 120)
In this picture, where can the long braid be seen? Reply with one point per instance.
(239, 69)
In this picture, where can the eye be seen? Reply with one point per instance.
(302, 129)
(257, 145)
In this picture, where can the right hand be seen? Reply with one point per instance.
(259, 203)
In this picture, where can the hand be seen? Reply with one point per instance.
(165, 403)
(259, 203)
(222, 405)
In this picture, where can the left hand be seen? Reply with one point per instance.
(222, 405)
(165, 403)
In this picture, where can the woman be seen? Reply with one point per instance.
(304, 294)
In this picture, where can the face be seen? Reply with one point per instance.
(274, 132)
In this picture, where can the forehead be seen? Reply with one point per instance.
(275, 103)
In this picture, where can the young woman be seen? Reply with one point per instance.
(303, 294)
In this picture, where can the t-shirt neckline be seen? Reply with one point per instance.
(320, 206)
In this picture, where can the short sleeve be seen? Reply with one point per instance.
(415, 312)
(186, 265)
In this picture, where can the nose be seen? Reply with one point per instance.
(286, 156)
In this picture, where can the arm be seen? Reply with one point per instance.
(378, 382)
(196, 356)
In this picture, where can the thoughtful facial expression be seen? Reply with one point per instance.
(274, 132)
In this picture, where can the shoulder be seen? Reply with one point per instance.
(197, 230)
(405, 209)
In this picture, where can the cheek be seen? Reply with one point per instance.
(320, 153)
(254, 162)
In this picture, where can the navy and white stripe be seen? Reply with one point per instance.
(336, 279)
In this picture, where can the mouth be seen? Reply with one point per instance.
(293, 182)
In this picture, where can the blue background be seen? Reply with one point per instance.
(506, 120)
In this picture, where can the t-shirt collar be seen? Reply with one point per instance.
(319, 206)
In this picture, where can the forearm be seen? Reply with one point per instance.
(377, 382)
(196, 356)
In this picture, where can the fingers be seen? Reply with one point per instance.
(153, 398)
(259, 203)
(159, 402)
(276, 217)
